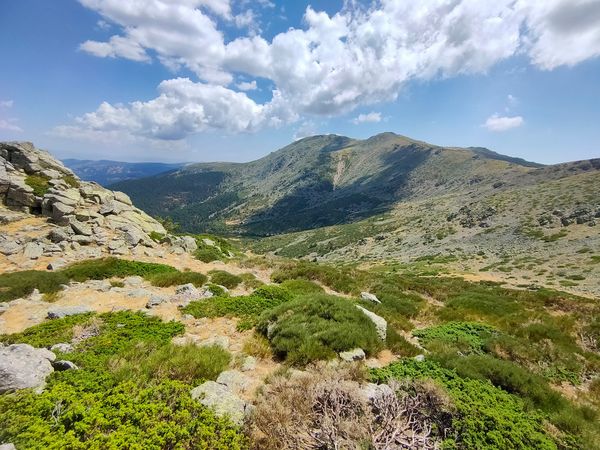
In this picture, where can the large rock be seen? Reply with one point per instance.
(235, 380)
(33, 250)
(58, 312)
(380, 322)
(23, 366)
(224, 402)
(369, 297)
(10, 247)
(357, 354)
(7, 447)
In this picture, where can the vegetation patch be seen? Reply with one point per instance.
(132, 389)
(317, 327)
(246, 307)
(485, 417)
(469, 337)
(39, 184)
(223, 278)
(167, 279)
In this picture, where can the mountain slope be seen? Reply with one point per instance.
(317, 181)
(107, 172)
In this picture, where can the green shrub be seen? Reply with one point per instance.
(167, 279)
(208, 254)
(21, 284)
(250, 281)
(486, 416)
(335, 278)
(302, 287)
(123, 416)
(317, 327)
(224, 278)
(123, 396)
(398, 344)
(464, 336)
(156, 236)
(191, 364)
(99, 269)
(38, 183)
(71, 181)
(246, 307)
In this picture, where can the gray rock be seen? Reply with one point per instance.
(56, 264)
(222, 401)
(123, 198)
(133, 281)
(188, 243)
(33, 250)
(57, 235)
(58, 312)
(113, 207)
(10, 248)
(380, 322)
(80, 228)
(23, 366)
(420, 358)
(235, 380)
(186, 293)
(369, 297)
(7, 447)
(62, 365)
(219, 341)
(248, 364)
(63, 347)
(82, 240)
(357, 354)
(139, 292)
(372, 391)
(133, 236)
(155, 300)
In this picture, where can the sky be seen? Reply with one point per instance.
(233, 80)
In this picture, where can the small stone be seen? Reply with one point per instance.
(133, 281)
(420, 358)
(222, 401)
(58, 312)
(63, 347)
(248, 364)
(56, 264)
(357, 354)
(62, 365)
(57, 235)
(369, 297)
(80, 228)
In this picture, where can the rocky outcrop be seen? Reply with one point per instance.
(23, 366)
(83, 213)
(379, 322)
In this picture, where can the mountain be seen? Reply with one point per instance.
(318, 181)
(107, 172)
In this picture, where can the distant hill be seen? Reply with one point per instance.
(107, 172)
(319, 181)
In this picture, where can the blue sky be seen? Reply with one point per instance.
(203, 80)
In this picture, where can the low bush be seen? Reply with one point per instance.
(486, 416)
(246, 307)
(126, 393)
(208, 254)
(399, 345)
(224, 278)
(145, 362)
(465, 337)
(257, 345)
(302, 287)
(20, 284)
(317, 327)
(167, 279)
(337, 279)
(38, 183)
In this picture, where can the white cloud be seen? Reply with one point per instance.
(512, 100)
(9, 125)
(116, 47)
(498, 123)
(334, 64)
(247, 85)
(6, 103)
(370, 117)
(306, 129)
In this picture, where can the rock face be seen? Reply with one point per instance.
(222, 400)
(33, 182)
(380, 322)
(23, 366)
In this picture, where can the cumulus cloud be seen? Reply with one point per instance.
(498, 123)
(247, 85)
(370, 117)
(306, 129)
(9, 125)
(334, 64)
(6, 103)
